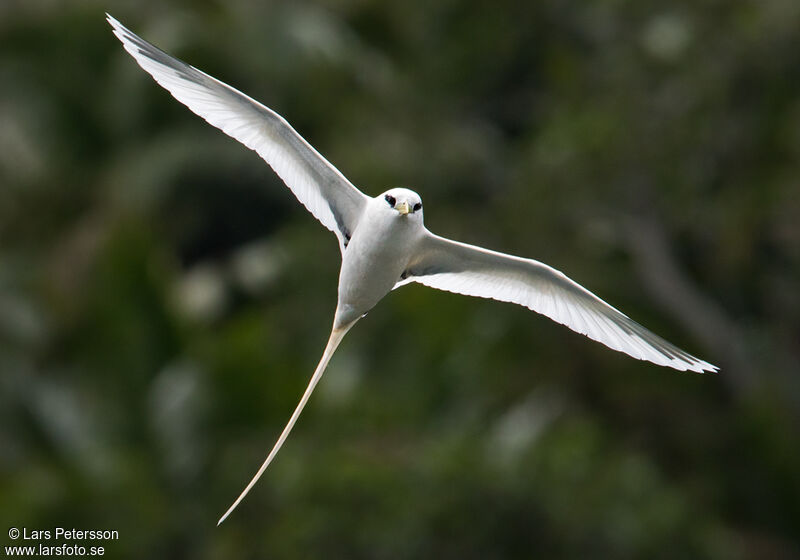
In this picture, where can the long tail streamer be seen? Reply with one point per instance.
(337, 334)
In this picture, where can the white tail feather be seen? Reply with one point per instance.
(337, 334)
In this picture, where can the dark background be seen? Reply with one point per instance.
(164, 299)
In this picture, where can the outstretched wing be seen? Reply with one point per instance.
(317, 184)
(465, 269)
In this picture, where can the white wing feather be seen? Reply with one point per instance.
(465, 269)
(317, 184)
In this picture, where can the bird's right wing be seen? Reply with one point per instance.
(317, 184)
(465, 269)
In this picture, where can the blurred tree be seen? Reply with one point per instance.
(163, 298)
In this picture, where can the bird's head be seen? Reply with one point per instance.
(405, 202)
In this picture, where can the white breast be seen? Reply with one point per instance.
(376, 256)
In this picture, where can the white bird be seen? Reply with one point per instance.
(383, 241)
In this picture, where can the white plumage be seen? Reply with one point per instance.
(383, 240)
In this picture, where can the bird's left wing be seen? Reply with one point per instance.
(317, 184)
(465, 269)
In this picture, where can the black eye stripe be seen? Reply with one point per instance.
(390, 199)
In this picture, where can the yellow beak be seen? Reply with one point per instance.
(403, 208)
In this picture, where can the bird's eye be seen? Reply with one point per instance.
(417, 206)
(390, 199)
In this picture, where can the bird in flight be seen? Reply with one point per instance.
(383, 240)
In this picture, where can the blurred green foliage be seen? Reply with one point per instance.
(163, 298)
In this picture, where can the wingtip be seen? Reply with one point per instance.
(119, 30)
(116, 26)
(704, 367)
